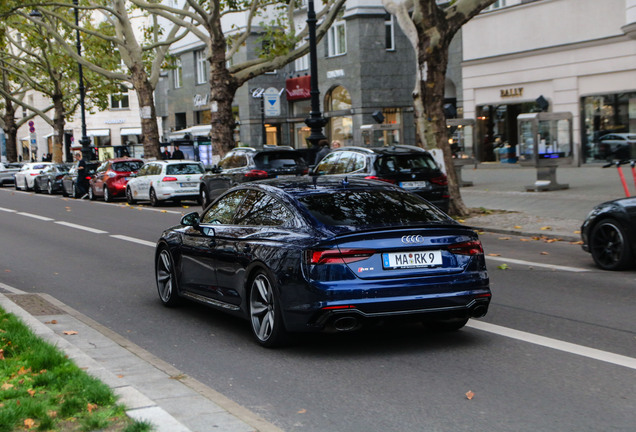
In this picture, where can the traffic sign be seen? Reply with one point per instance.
(271, 100)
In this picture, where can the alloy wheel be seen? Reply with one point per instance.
(609, 247)
(166, 279)
(49, 187)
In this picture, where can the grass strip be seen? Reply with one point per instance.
(42, 390)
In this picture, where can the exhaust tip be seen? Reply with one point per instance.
(346, 324)
(478, 311)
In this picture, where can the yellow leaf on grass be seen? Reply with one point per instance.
(91, 407)
(1, 354)
(470, 395)
(6, 386)
(31, 392)
(29, 423)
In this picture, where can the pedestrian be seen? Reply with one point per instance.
(335, 144)
(323, 151)
(165, 155)
(81, 183)
(177, 154)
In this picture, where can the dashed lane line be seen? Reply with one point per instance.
(34, 216)
(81, 227)
(536, 264)
(133, 240)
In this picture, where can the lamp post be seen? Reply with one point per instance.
(315, 121)
(84, 141)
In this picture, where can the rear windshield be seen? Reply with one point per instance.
(127, 166)
(396, 163)
(371, 208)
(184, 168)
(278, 160)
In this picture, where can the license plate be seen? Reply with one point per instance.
(395, 260)
(414, 184)
(187, 184)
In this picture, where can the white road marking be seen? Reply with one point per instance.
(535, 264)
(556, 344)
(34, 216)
(81, 227)
(133, 240)
(8, 210)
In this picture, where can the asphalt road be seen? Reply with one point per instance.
(557, 350)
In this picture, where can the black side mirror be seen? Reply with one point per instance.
(191, 219)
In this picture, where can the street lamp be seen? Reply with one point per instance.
(315, 121)
(84, 141)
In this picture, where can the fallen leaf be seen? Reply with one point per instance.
(504, 238)
(29, 423)
(580, 242)
(518, 227)
(120, 376)
(504, 266)
(545, 253)
(470, 395)
(52, 414)
(524, 239)
(164, 211)
(185, 207)
(51, 322)
(1, 354)
(70, 332)
(7, 271)
(302, 411)
(6, 386)
(546, 228)
(91, 407)
(24, 371)
(494, 254)
(551, 240)
(31, 392)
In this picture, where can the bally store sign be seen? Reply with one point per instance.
(298, 88)
(511, 92)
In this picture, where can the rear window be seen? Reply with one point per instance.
(127, 166)
(371, 207)
(184, 168)
(278, 160)
(405, 163)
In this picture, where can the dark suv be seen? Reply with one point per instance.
(244, 164)
(412, 168)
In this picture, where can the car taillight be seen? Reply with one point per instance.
(380, 178)
(167, 179)
(256, 174)
(34, 174)
(440, 180)
(335, 256)
(467, 248)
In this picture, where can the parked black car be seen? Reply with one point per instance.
(244, 164)
(320, 254)
(609, 234)
(70, 179)
(412, 168)
(50, 180)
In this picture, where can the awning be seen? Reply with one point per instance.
(200, 130)
(98, 132)
(130, 131)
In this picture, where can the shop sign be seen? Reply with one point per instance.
(199, 100)
(511, 92)
(298, 88)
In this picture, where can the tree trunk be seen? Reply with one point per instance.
(58, 124)
(11, 131)
(148, 114)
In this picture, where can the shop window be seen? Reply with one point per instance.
(340, 126)
(336, 39)
(200, 61)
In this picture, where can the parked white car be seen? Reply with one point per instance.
(162, 180)
(25, 178)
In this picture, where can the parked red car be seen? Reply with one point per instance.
(111, 177)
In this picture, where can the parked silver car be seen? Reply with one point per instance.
(7, 171)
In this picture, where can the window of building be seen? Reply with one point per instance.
(178, 74)
(302, 63)
(389, 33)
(200, 60)
(336, 39)
(496, 5)
(120, 100)
(341, 122)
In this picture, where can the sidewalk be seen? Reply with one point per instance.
(154, 390)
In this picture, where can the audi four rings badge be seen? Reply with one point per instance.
(412, 239)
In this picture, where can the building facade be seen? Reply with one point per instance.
(366, 76)
(570, 56)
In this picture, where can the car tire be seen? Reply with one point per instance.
(129, 197)
(91, 193)
(447, 325)
(74, 192)
(610, 247)
(265, 312)
(204, 197)
(49, 187)
(15, 184)
(36, 187)
(166, 278)
(64, 193)
(26, 186)
(107, 196)
(153, 198)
